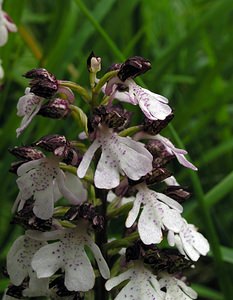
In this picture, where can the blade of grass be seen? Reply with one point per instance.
(216, 152)
(219, 191)
(227, 254)
(30, 41)
(65, 25)
(215, 195)
(171, 53)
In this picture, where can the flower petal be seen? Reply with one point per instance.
(183, 161)
(27, 107)
(37, 287)
(171, 181)
(71, 187)
(103, 267)
(135, 164)
(200, 243)
(79, 274)
(19, 258)
(179, 153)
(153, 105)
(45, 236)
(171, 218)
(47, 260)
(149, 227)
(15, 271)
(133, 214)
(187, 290)
(112, 282)
(107, 172)
(170, 202)
(171, 238)
(82, 169)
(44, 203)
(27, 166)
(176, 289)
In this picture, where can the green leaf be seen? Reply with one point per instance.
(227, 254)
(219, 191)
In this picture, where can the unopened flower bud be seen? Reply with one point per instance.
(133, 252)
(16, 291)
(160, 155)
(15, 165)
(139, 250)
(26, 153)
(114, 67)
(51, 142)
(170, 260)
(97, 118)
(43, 83)
(114, 117)
(117, 119)
(155, 126)
(157, 175)
(26, 218)
(93, 63)
(55, 109)
(72, 157)
(58, 286)
(133, 66)
(178, 193)
(160, 260)
(87, 212)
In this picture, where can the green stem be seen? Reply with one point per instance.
(116, 245)
(68, 168)
(80, 146)
(101, 240)
(104, 79)
(73, 170)
(80, 117)
(96, 90)
(130, 131)
(116, 212)
(223, 276)
(77, 88)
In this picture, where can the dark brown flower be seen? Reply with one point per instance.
(26, 153)
(133, 66)
(55, 109)
(155, 126)
(43, 83)
(51, 142)
(87, 212)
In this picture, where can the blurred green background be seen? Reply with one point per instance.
(190, 46)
